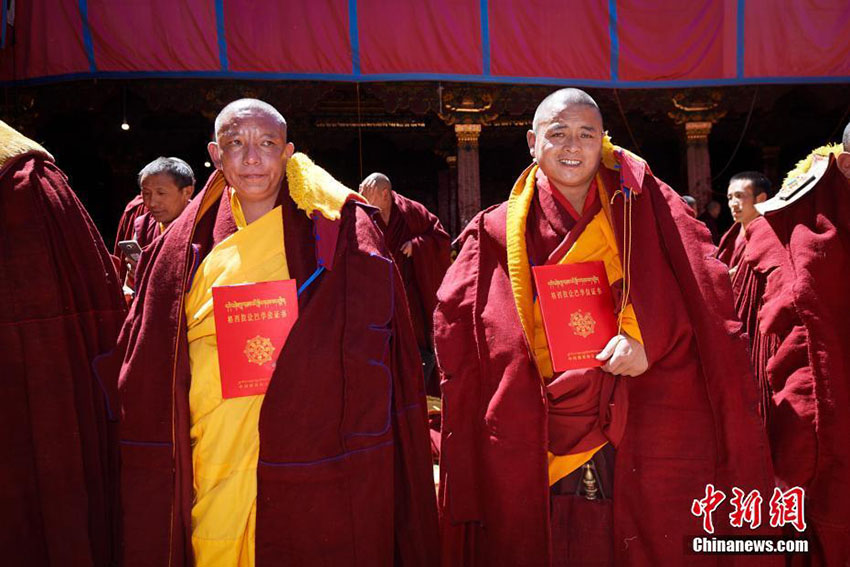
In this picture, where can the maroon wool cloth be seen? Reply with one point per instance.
(126, 227)
(423, 272)
(145, 229)
(795, 306)
(62, 308)
(344, 475)
(692, 417)
(730, 250)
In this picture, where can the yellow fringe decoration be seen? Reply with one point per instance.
(805, 164)
(315, 190)
(13, 144)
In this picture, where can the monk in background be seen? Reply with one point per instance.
(331, 466)
(421, 249)
(62, 308)
(746, 190)
(603, 465)
(166, 185)
(792, 296)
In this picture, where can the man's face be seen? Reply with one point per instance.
(568, 145)
(251, 150)
(741, 201)
(163, 198)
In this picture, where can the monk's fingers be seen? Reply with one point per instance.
(609, 348)
(628, 359)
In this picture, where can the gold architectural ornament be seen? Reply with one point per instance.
(697, 106)
(697, 131)
(583, 324)
(467, 105)
(467, 133)
(259, 350)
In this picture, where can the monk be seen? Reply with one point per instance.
(331, 466)
(62, 309)
(791, 295)
(601, 465)
(746, 190)
(166, 185)
(421, 249)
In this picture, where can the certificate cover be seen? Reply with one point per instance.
(578, 312)
(252, 322)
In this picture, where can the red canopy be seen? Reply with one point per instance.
(618, 43)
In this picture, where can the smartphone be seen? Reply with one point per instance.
(131, 249)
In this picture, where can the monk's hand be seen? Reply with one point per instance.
(624, 356)
(407, 248)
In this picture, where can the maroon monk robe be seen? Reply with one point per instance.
(795, 306)
(62, 307)
(134, 209)
(145, 229)
(344, 476)
(423, 272)
(692, 416)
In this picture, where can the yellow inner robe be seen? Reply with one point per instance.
(596, 243)
(224, 435)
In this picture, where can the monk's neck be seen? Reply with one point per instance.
(385, 214)
(253, 210)
(744, 225)
(575, 195)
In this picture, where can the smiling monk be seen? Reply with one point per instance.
(595, 466)
(331, 465)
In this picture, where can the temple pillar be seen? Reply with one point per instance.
(699, 162)
(698, 110)
(447, 196)
(468, 173)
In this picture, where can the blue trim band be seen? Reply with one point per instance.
(310, 280)
(87, 41)
(389, 77)
(615, 40)
(222, 38)
(354, 36)
(485, 37)
(333, 459)
(740, 47)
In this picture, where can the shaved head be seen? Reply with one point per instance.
(245, 106)
(559, 100)
(379, 180)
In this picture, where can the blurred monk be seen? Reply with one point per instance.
(421, 249)
(791, 295)
(601, 465)
(166, 185)
(62, 309)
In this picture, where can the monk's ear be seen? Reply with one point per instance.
(844, 163)
(187, 191)
(215, 154)
(532, 139)
(288, 150)
(761, 198)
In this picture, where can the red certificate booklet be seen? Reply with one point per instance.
(252, 322)
(578, 312)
